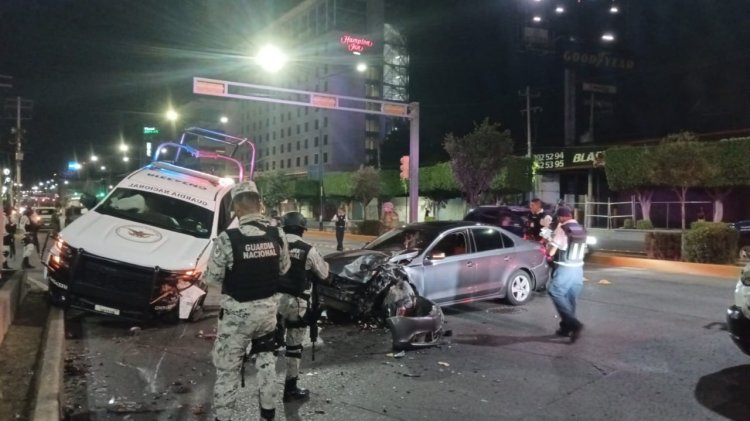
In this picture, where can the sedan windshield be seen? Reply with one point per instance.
(406, 238)
(159, 211)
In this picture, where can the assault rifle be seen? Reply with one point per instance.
(314, 314)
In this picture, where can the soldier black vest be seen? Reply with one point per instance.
(296, 281)
(340, 221)
(573, 256)
(534, 225)
(255, 268)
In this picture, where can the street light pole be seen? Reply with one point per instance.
(320, 172)
(19, 151)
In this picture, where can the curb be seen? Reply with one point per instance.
(49, 377)
(11, 295)
(705, 269)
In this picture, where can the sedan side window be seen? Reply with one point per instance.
(487, 239)
(452, 245)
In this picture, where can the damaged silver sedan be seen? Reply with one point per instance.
(402, 277)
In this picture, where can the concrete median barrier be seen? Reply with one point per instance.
(11, 296)
(47, 403)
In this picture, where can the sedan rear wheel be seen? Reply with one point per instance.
(519, 288)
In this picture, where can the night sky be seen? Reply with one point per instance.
(96, 69)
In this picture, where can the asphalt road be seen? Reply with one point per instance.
(654, 348)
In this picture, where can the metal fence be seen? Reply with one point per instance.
(664, 214)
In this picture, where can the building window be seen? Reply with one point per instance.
(266, 166)
(325, 121)
(273, 150)
(307, 126)
(273, 135)
(281, 133)
(307, 110)
(281, 148)
(266, 122)
(298, 145)
(316, 124)
(282, 117)
(299, 111)
(273, 165)
(315, 142)
(325, 67)
(289, 162)
(289, 131)
(298, 129)
(274, 120)
(281, 163)
(325, 139)
(289, 147)
(315, 159)
(289, 116)
(305, 160)
(325, 86)
(306, 145)
(298, 161)
(325, 157)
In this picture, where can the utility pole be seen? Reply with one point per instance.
(19, 151)
(528, 110)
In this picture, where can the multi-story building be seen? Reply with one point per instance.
(338, 47)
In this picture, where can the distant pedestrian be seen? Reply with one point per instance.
(567, 246)
(341, 222)
(701, 215)
(427, 216)
(389, 219)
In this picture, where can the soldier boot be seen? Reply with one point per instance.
(267, 414)
(25, 264)
(294, 393)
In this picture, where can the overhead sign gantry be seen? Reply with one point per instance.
(262, 93)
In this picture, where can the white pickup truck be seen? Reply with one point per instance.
(738, 315)
(142, 250)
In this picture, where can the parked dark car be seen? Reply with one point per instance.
(447, 262)
(511, 218)
(743, 227)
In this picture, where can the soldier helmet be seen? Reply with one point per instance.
(294, 219)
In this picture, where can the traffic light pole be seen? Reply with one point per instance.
(262, 93)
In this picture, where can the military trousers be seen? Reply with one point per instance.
(292, 310)
(239, 325)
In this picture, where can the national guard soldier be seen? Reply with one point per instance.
(538, 219)
(567, 246)
(248, 262)
(295, 288)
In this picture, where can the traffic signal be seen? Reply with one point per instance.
(404, 167)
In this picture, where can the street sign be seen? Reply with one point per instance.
(599, 89)
(209, 87)
(150, 130)
(395, 109)
(323, 101)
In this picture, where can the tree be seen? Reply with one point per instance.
(366, 185)
(275, 188)
(733, 171)
(627, 168)
(478, 157)
(680, 161)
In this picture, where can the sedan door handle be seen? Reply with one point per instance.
(470, 264)
(506, 258)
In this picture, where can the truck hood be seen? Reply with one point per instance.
(133, 242)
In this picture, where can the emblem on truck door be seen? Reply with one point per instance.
(139, 234)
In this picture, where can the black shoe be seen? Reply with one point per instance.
(294, 393)
(576, 334)
(267, 414)
(562, 332)
(26, 264)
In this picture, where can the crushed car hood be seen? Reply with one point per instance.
(338, 263)
(133, 242)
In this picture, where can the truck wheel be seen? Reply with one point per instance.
(196, 313)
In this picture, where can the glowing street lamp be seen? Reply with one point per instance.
(559, 10)
(123, 147)
(537, 19)
(608, 37)
(103, 168)
(224, 119)
(125, 159)
(271, 59)
(94, 158)
(172, 115)
(361, 67)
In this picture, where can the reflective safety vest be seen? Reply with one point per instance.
(255, 268)
(340, 221)
(297, 280)
(573, 255)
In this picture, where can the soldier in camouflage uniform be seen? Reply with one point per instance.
(248, 262)
(295, 288)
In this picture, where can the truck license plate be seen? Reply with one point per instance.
(108, 310)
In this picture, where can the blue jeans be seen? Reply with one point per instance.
(564, 289)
